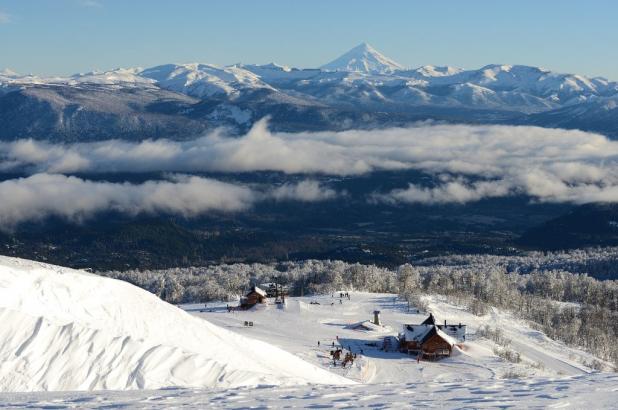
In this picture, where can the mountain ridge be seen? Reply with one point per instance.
(361, 89)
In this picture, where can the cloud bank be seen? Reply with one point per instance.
(43, 195)
(469, 162)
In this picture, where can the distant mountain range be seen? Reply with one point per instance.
(360, 89)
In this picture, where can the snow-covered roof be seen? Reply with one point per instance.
(457, 331)
(431, 320)
(420, 333)
(446, 337)
(416, 332)
(259, 291)
(369, 325)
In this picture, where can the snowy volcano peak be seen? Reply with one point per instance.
(363, 58)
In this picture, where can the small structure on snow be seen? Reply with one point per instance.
(255, 296)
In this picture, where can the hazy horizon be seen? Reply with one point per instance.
(70, 36)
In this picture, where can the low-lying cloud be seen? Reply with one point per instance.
(307, 191)
(469, 162)
(75, 199)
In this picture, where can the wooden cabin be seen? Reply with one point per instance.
(255, 296)
(427, 340)
(431, 340)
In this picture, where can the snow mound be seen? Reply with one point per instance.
(69, 330)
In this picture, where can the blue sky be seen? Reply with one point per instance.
(67, 36)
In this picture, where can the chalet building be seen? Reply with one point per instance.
(255, 296)
(430, 340)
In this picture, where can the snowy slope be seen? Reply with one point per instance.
(299, 326)
(70, 330)
(596, 391)
(363, 58)
(119, 76)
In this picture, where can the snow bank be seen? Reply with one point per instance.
(64, 329)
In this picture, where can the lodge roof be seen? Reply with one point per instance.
(423, 332)
(430, 320)
(257, 290)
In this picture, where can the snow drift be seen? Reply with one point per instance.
(69, 330)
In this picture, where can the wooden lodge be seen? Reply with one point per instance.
(428, 339)
(254, 297)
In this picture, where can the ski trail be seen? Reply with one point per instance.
(550, 362)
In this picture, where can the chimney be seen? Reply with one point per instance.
(445, 323)
(376, 317)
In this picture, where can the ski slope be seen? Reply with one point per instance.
(300, 325)
(69, 330)
(73, 339)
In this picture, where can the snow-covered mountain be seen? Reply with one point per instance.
(597, 114)
(70, 330)
(365, 59)
(204, 80)
(361, 89)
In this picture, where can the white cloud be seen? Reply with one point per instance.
(42, 195)
(489, 161)
(306, 191)
(450, 192)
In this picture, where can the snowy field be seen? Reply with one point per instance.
(300, 325)
(599, 391)
(74, 340)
